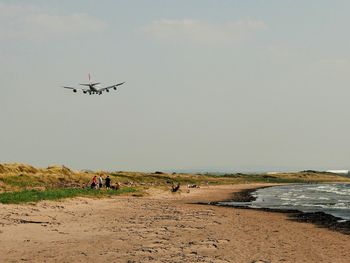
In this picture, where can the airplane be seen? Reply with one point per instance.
(92, 89)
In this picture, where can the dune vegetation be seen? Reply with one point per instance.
(25, 183)
(25, 196)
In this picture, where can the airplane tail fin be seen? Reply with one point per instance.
(90, 84)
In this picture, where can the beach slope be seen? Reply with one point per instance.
(161, 227)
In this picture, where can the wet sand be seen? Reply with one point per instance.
(162, 227)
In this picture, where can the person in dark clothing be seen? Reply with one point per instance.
(94, 182)
(108, 182)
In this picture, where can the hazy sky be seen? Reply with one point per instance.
(239, 85)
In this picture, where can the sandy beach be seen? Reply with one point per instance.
(161, 227)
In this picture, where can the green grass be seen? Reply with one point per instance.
(259, 179)
(17, 186)
(22, 181)
(139, 178)
(212, 179)
(281, 178)
(26, 196)
(166, 179)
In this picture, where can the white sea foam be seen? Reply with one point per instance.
(323, 198)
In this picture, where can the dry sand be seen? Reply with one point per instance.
(161, 227)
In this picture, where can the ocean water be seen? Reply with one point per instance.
(332, 199)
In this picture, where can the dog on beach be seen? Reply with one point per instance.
(116, 186)
(175, 187)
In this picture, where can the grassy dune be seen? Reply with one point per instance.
(25, 183)
(26, 196)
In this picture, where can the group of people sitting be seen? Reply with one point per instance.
(97, 183)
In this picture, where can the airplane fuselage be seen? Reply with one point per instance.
(92, 88)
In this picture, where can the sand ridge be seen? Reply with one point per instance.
(161, 227)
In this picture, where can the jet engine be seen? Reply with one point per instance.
(74, 90)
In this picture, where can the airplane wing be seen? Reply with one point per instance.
(111, 87)
(75, 89)
(68, 87)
